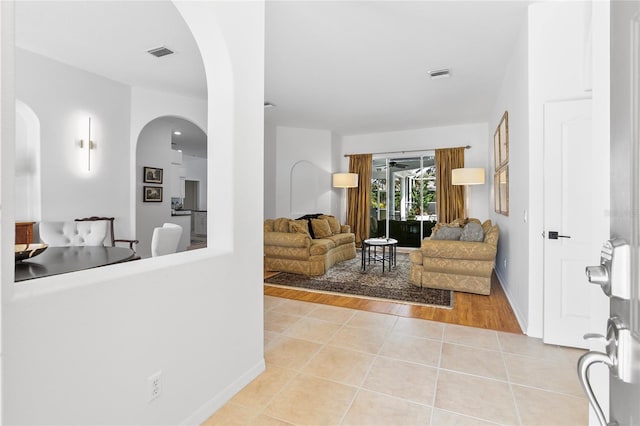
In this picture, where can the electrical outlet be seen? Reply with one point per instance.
(154, 385)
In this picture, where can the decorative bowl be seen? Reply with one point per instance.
(27, 251)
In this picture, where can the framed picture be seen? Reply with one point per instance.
(152, 175)
(496, 148)
(152, 194)
(496, 194)
(503, 189)
(503, 129)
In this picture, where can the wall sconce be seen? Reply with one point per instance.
(90, 145)
(467, 176)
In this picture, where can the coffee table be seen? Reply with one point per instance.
(388, 255)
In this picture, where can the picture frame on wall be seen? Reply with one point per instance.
(503, 130)
(496, 195)
(152, 174)
(503, 189)
(152, 194)
(496, 148)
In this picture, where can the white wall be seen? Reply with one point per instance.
(270, 146)
(196, 169)
(557, 47)
(303, 172)
(512, 261)
(431, 139)
(63, 102)
(78, 348)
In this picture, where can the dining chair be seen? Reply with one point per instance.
(109, 222)
(165, 239)
(61, 234)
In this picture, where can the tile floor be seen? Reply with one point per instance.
(335, 366)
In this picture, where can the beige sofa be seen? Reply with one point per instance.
(289, 246)
(456, 265)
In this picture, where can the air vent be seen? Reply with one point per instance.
(442, 73)
(158, 52)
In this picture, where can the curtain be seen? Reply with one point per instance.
(450, 198)
(359, 199)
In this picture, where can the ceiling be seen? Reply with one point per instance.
(361, 66)
(351, 67)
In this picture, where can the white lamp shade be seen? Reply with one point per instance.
(345, 180)
(467, 176)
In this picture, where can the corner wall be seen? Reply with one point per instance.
(512, 260)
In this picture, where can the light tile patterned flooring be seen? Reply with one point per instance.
(328, 365)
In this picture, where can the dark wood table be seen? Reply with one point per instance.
(62, 260)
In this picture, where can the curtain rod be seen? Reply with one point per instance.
(404, 152)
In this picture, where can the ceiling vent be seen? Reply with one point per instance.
(161, 51)
(442, 73)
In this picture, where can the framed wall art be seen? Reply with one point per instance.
(501, 158)
(152, 175)
(152, 194)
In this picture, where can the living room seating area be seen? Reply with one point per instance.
(309, 245)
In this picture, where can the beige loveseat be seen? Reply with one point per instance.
(456, 265)
(289, 246)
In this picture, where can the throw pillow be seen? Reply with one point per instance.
(321, 228)
(472, 232)
(447, 233)
(334, 223)
(281, 224)
(299, 227)
(307, 217)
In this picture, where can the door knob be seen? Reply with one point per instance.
(597, 274)
(554, 235)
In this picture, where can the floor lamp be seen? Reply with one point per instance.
(345, 180)
(466, 177)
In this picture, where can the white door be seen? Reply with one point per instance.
(569, 210)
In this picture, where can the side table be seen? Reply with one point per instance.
(388, 256)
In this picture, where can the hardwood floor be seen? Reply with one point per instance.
(491, 312)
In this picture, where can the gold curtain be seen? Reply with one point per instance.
(450, 198)
(359, 199)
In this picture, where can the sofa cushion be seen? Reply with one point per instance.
(268, 225)
(281, 224)
(472, 232)
(341, 239)
(486, 226)
(299, 226)
(447, 233)
(321, 246)
(334, 223)
(321, 228)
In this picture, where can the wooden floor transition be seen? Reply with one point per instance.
(491, 312)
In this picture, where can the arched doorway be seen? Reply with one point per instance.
(178, 147)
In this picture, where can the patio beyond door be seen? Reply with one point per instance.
(403, 198)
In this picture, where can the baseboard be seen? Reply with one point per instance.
(521, 322)
(209, 407)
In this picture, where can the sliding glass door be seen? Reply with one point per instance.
(403, 198)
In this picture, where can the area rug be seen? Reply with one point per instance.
(347, 278)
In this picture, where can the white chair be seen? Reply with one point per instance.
(165, 239)
(65, 234)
